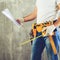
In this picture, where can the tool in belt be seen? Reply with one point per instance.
(39, 27)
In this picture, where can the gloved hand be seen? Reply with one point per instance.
(49, 30)
(20, 20)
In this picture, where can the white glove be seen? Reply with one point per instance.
(49, 30)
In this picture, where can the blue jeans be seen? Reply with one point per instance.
(58, 36)
(39, 45)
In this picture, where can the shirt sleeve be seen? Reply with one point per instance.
(58, 14)
(58, 1)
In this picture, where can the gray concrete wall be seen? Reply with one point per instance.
(11, 36)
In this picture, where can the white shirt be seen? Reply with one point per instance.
(46, 10)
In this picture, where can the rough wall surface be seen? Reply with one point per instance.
(11, 36)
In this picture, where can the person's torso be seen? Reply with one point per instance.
(45, 10)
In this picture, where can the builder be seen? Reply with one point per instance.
(45, 10)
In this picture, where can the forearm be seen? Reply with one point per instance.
(32, 16)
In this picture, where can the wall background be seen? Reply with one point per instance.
(11, 36)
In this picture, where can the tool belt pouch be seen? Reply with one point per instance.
(38, 28)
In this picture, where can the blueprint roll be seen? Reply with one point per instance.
(8, 14)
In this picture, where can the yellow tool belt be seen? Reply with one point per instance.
(39, 27)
